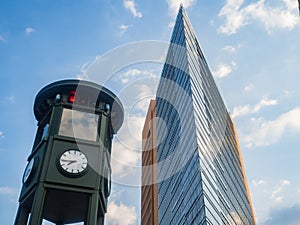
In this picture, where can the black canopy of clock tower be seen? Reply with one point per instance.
(68, 175)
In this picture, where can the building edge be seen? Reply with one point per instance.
(243, 168)
(149, 186)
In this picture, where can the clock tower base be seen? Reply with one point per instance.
(48, 202)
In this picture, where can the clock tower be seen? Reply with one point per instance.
(67, 178)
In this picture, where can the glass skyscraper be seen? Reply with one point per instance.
(201, 177)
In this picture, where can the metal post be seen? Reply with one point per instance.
(92, 212)
(36, 217)
(22, 216)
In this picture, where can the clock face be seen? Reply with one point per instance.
(73, 162)
(28, 171)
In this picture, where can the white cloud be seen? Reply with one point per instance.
(248, 87)
(120, 214)
(229, 48)
(278, 199)
(127, 147)
(256, 183)
(290, 4)
(129, 74)
(83, 71)
(223, 70)
(132, 129)
(288, 93)
(171, 25)
(124, 160)
(123, 28)
(234, 17)
(138, 88)
(247, 109)
(174, 5)
(264, 203)
(265, 133)
(278, 189)
(280, 17)
(1, 134)
(132, 74)
(29, 30)
(116, 194)
(287, 215)
(130, 4)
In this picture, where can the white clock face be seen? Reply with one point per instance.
(28, 170)
(73, 162)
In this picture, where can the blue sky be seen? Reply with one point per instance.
(252, 48)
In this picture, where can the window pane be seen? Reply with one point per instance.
(79, 124)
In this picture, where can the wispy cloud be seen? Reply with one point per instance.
(124, 158)
(1, 134)
(269, 194)
(174, 5)
(247, 109)
(278, 189)
(264, 133)
(29, 30)
(9, 99)
(2, 39)
(248, 87)
(123, 28)
(288, 93)
(131, 6)
(237, 16)
(120, 214)
(83, 71)
(8, 191)
(257, 183)
(129, 74)
(223, 70)
(229, 48)
(139, 88)
(284, 215)
(133, 74)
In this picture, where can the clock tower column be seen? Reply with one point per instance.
(68, 175)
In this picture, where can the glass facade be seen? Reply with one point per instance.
(200, 169)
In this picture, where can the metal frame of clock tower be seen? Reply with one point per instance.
(67, 178)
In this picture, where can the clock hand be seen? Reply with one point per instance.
(66, 160)
(72, 161)
(69, 161)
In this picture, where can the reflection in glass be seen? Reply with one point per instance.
(45, 131)
(78, 124)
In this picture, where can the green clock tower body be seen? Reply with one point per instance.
(67, 178)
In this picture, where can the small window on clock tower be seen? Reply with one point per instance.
(79, 124)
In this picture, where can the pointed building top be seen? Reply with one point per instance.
(181, 7)
(181, 23)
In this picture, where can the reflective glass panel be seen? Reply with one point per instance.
(79, 124)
